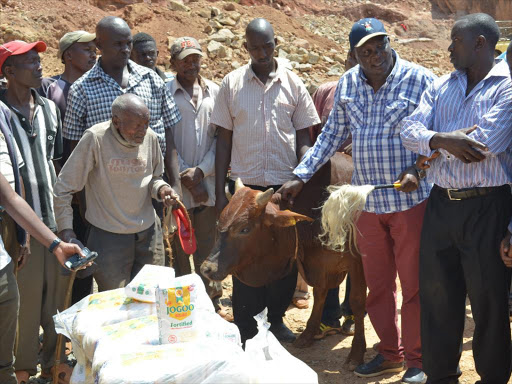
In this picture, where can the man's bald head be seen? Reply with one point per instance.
(128, 102)
(480, 24)
(114, 40)
(130, 116)
(111, 24)
(259, 27)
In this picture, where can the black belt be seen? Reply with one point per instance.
(468, 193)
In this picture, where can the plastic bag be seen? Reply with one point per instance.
(178, 308)
(142, 287)
(271, 362)
(82, 374)
(185, 363)
(102, 341)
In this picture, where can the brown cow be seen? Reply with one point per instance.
(260, 243)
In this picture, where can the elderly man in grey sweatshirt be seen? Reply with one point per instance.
(120, 164)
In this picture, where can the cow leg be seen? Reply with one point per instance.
(358, 304)
(313, 325)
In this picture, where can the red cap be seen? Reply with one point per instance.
(18, 47)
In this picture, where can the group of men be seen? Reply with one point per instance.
(85, 161)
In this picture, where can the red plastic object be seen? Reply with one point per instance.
(185, 232)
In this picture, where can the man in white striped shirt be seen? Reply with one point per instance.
(262, 113)
(465, 117)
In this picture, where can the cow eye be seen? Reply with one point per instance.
(245, 230)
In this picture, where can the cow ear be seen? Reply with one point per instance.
(274, 216)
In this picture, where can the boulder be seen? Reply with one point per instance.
(226, 20)
(178, 6)
(303, 67)
(313, 58)
(223, 35)
(301, 43)
(229, 7)
(216, 49)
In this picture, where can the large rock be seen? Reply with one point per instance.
(223, 35)
(229, 7)
(216, 49)
(226, 20)
(301, 43)
(178, 6)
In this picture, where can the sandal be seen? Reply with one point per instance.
(65, 371)
(22, 377)
(327, 330)
(300, 299)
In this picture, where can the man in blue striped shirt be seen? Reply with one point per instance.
(371, 101)
(466, 118)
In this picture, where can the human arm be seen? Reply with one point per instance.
(333, 134)
(158, 188)
(72, 179)
(506, 247)
(75, 121)
(222, 161)
(170, 117)
(171, 163)
(303, 143)
(21, 212)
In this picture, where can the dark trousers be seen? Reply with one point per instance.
(82, 287)
(332, 309)
(249, 301)
(459, 256)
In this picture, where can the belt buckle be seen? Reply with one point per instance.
(449, 192)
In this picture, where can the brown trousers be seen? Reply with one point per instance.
(42, 285)
(9, 302)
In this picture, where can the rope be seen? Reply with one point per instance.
(168, 237)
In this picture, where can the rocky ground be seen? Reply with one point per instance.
(313, 35)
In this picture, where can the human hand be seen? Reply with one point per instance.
(168, 196)
(199, 193)
(67, 235)
(460, 145)
(290, 190)
(409, 180)
(506, 250)
(24, 253)
(423, 162)
(191, 177)
(64, 251)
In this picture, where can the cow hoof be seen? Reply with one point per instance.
(303, 341)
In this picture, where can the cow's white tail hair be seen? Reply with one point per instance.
(339, 216)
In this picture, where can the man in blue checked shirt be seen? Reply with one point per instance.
(466, 118)
(370, 103)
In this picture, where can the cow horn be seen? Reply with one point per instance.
(238, 184)
(263, 198)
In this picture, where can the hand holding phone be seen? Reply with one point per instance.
(75, 262)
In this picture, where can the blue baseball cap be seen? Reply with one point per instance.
(363, 30)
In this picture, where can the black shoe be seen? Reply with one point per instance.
(378, 366)
(282, 333)
(414, 376)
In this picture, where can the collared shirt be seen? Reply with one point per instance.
(323, 98)
(194, 136)
(446, 108)
(39, 142)
(91, 97)
(264, 119)
(56, 89)
(374, 120)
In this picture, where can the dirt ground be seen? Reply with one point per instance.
(326, 357)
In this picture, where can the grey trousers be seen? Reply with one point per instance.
(9, 303)
(203, 221)
(122, 256)
(42, 286)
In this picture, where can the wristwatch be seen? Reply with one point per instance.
(55, 243)
(421, 172)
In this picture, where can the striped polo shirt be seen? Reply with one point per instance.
(39, 142)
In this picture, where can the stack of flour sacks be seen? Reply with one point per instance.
(162, 329)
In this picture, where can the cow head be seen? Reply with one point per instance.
(256, 242)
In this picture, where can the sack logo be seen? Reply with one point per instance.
(178, 303)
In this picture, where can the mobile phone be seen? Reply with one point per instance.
(76, 261)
